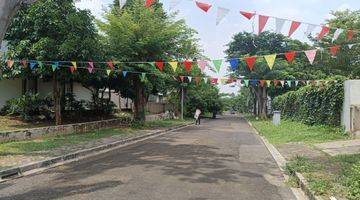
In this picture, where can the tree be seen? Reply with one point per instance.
(52, 30)
(136, 33)
(247, 44)
(8, 9)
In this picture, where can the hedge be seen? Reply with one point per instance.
(313, 105)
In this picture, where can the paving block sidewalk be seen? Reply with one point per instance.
(340, 147)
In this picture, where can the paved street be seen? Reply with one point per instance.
(221, 159)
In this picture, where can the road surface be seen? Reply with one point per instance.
(220, 159)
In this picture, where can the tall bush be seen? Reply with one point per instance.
(312, 105)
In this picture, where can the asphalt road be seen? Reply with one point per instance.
(221, 159)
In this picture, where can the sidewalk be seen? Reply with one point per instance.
(340, 147)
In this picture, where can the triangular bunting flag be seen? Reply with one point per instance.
(268, 83)
(187, 65)
(41, 64)
(72, 69)
(246, 83)
(351, 46)
(173, 65)
(202, 64)
(250, 61)
(350, 35)
(90, 67)
(276, 82)
(122, 3)
(337, 34)
(160, 65)
(282, 83)
(10, 64)
(223, 81)
(254, 82)
(311, 54)
(148, 3)
(308, 82)
(55, 66)
(296, 83)
(290, 56)
(270, 59)
(310, 29)
(189, 78)
(247, 14)
(217, 64)
(214, 81)
(111, 65)
(143, 76)
(334, 50)
(124, 73)
(289, 83)
(108, 72)
(294, 26)
(197, 80)
(262, 22)
(24, 63)
(74, 65)
(32, 65)
(221, 14)
(206, 80)
(234, 63)
(279, 25)
(262, 83)
(324, 31)
(203, 6)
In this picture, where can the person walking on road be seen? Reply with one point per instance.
(197, 116)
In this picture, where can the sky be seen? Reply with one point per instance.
(213, 39)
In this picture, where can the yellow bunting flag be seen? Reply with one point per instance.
(268, 83)
(74, 65)
(173, 65)
(223, 80)
(270, 59)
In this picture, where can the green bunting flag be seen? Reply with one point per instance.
(217, 64)
(268, 83)
(143, 76)
(206, 80)
(55, 66)
(108, 72)
(41, 65)
(246, 83)
(288, 83)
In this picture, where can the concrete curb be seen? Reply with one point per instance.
(53, 162)
(281, 161)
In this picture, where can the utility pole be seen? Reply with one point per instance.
(182, 102)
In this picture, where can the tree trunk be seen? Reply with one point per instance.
(8, 9)
(57, 100)
(139, 100)
(262, 102)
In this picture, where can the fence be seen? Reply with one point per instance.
(157, 108)
(355, 118)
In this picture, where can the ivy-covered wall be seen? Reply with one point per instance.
(320, 105)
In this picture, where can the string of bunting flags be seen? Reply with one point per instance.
(189, 79)
(263, 20)
(187, 64)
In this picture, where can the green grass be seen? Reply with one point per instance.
(335, 176)
(292, 132)
(47, 143)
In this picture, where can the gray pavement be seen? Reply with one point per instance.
(221, 159)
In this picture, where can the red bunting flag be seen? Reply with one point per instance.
(182, 78)
(290, 56)
(250, 61)
(187, 65)
(24, 63)
(334, 50)
(262, 83)
(294, 26)
(160, 65)
(203, 6)
(111, 65)
(91, 67)
(10, 63)
(149, 3)
(72, 69)
(262, 22)
(350, 35)
(247, 14)
(324, 31)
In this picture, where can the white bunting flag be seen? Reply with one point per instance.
(337, 34)
(310, 29)
(190, 79)
(221, 13)
(351, 46)
(279, 25)
(174, 3)
(206, 80)
(311, 54)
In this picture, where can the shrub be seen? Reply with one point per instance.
(29, 106)
(313, 105)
